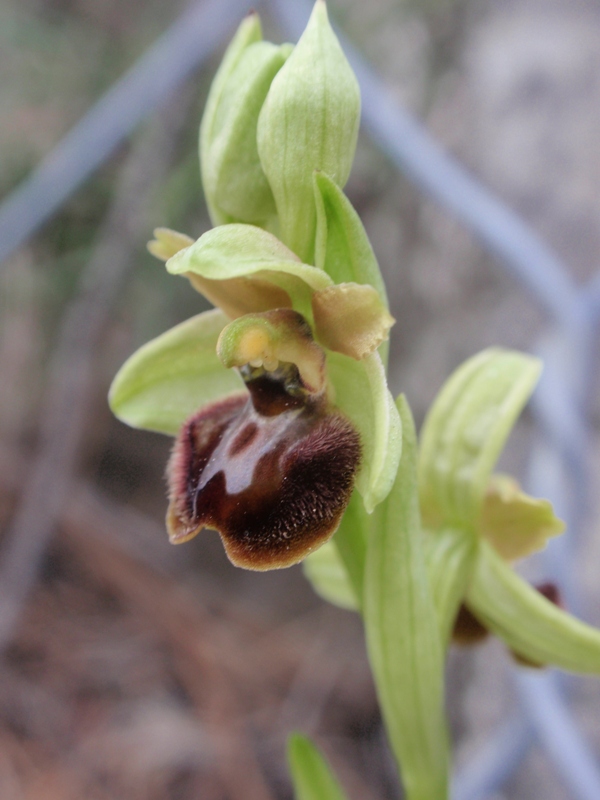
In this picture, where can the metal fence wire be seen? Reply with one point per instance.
(559, 464)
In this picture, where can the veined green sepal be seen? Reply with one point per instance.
(402, 630)
(312, 775)
(465, 431)
(309, 122)
(342, 247)
(360, 391)
(528, 623)
(170, 377)
(450, 557)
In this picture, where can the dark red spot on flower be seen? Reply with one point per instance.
(467, 628)
(551, 592)
(272, 472)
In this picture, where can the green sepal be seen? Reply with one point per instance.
(248, 32)
(450, 556)
(232, 175)
(308, 122)
(342, 247)
(231, 252)
(326, 572)
(530, 624)
(361, 392)
(465, 431)
(311, 774)
(170, 377)
(402, 632)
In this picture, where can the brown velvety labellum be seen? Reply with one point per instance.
(272, 472)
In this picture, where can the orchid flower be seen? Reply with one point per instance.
(278, 397)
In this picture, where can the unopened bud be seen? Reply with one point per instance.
(308, 122)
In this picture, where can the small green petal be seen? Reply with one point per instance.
(248, 32)
(402, 630)
(515, 524)
(235, 252)
(325, 570)
(312, 776)
(167, 243)
(465, 431)
(361, 393)
(530, 625)
(169, 378)
(351, 318)
(450, 555)
(308, 122)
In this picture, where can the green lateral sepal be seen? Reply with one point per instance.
(528, 623)
(465, 431)
(169, 378)
(361, 392)
(342, 246)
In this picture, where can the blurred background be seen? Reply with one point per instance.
(135, 670)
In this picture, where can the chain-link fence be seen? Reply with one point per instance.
(559, 464)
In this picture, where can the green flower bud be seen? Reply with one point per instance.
(309, 122)
(247, 33)
(235, 185)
